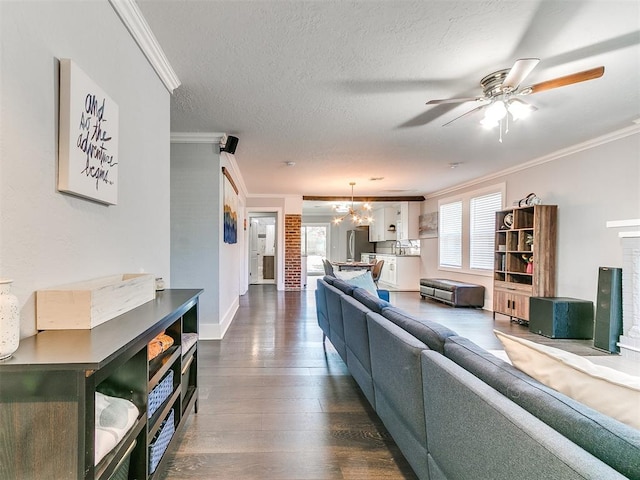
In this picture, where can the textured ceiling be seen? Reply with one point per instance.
(340, 87)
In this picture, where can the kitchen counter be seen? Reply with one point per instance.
(400, 272)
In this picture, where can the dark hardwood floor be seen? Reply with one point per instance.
(277, 404)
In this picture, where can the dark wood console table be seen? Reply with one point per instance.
(47, 392)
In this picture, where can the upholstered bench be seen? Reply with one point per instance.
(452, 292)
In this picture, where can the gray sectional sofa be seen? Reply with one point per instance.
(458, 412)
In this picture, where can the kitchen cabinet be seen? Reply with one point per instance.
(525, 258)
(400, 272)
(380, 230)
(48, 393)
(407, 220)
(388, 274)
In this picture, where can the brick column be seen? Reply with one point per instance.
(292, 259)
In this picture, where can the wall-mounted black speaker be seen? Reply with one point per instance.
(608, 326)
(230, 145)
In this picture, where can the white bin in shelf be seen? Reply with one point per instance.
(87, 304)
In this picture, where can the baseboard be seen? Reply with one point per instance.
(216, 331)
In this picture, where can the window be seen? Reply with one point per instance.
(451, 234)
(466, 231)
(482, 220)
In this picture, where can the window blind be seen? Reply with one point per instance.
(482, 221)
(450, 234)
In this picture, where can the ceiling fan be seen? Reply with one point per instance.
(501, 91)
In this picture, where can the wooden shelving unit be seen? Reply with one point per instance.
(48, 387)
(524, 234)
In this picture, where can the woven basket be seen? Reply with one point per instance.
(160, 393)
(161, 442)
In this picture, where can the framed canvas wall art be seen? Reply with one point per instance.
(428, 225)
(230, 208)
(88, 137)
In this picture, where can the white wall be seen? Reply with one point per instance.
(48, 238)
(195, 221)
(199, 256)
(590, 187)
(231, 256)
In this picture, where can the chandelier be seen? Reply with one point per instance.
(358, 216)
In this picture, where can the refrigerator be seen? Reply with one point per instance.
(358, 243)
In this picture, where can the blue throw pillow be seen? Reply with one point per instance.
(364, 281)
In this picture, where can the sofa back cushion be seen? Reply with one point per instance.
(397, 383)
(614, 443)
(433, 334)
(356, 337)
(343, 286)
(374, 303)
(329, 279)
(475, 432)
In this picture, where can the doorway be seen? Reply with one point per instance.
(262, 248)
(315, 247)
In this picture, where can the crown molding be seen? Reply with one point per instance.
(274, 195)
(589, 144)
(213, 139)
(132, 17)
(196, 137)
(346, 198)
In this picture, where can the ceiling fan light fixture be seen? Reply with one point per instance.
(500, 88)
(519, 110)
(496, 111)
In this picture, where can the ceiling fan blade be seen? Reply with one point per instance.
(454, 100)
(520, 70)
(566, 80)
(465, 114)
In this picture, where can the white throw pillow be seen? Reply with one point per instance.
(614, 393)
(348, 274)
(363, 280)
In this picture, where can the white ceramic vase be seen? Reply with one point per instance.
(9, 320)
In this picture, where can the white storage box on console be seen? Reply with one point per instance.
(84, 305)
